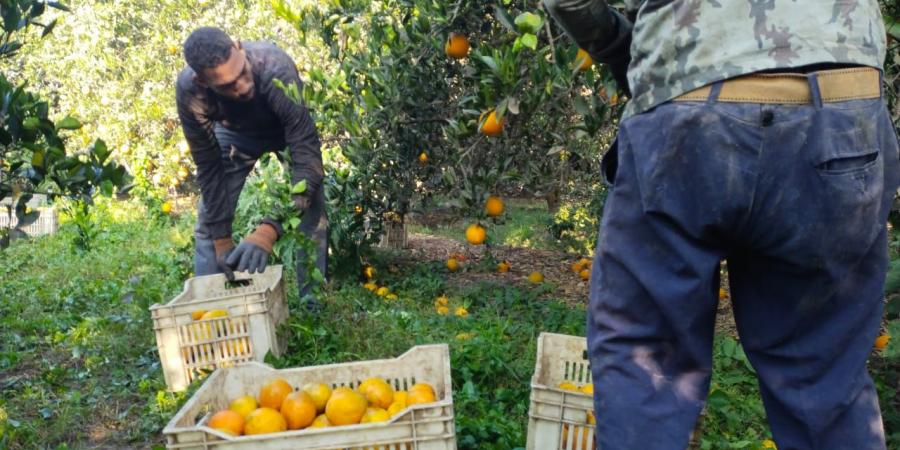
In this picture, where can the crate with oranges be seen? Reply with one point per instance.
(561, 413)
(404, 403)
(214, 323)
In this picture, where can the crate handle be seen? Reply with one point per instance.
(239, 283)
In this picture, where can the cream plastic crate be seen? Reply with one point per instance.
(557, 419)
(46, 223)
(420, 427)
(190, 348)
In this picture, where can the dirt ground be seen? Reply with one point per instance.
(553, 265)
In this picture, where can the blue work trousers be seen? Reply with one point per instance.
(796, 199)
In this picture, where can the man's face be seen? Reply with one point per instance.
(233, 78)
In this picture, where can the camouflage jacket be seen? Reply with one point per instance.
(681, 45)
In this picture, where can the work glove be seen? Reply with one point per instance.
(252, 254)
(223, 247)
(600, 30)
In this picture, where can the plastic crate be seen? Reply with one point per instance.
(557, 418)
(419, 427)
(189, 348)
(46, 223)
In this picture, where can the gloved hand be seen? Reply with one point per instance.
(599, 30)
(252, 254)
(224, 247)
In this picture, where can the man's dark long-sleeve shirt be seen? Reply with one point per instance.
(270, 116)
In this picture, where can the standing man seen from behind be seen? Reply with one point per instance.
(756, 133)
(231, 113)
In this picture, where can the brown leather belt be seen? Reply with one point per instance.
(837, 85)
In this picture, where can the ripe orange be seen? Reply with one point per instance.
(420, 394)
(212, 314)
(568, 386)
(443, 310)
(358, 209)
(423, 157)
(452, 264)
(373, 415)
(263, 421)
(882, 341)
(399, 404)
(227, 421)
(441, 301)
(299, 410)
(503, 267)
(378, 392)
(198, 314)
(722, 294)
(345, 407)
(321, 422)
(369, 272)
(457, 46)
(585, 275)
(461, 312)
(371, 286)
(535, 278)
(243, 405)
(493, 206)
(395, 408)
(583, 60)
(272, 394)
(382, 291)
(588, 389)
(320, 393)
(476, 234)
(166, 208)
(490, 126)
(768, 444)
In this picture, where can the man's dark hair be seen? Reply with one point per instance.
(207, 48)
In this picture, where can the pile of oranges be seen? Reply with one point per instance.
(278, 407)
(582, 268)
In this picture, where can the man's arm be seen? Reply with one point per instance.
(599, 30)
(199, 133)
(299, 129)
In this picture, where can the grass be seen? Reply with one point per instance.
(79, 369)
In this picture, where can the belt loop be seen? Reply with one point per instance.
(714, 92)
(815, 94)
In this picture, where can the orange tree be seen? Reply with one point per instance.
(407, 102)
(33, 154)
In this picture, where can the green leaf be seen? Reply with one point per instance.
(490, 62)
(31, 123)
(299, 188)
(294, 222)
(582, 107)
(893, 348)
(528, 23)
(504, 18)
(892, 26)
(100, 151)
(106, 188)
(530, 41)
(892, 282)
(68, 123)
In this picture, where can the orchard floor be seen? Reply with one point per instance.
(79, 367)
